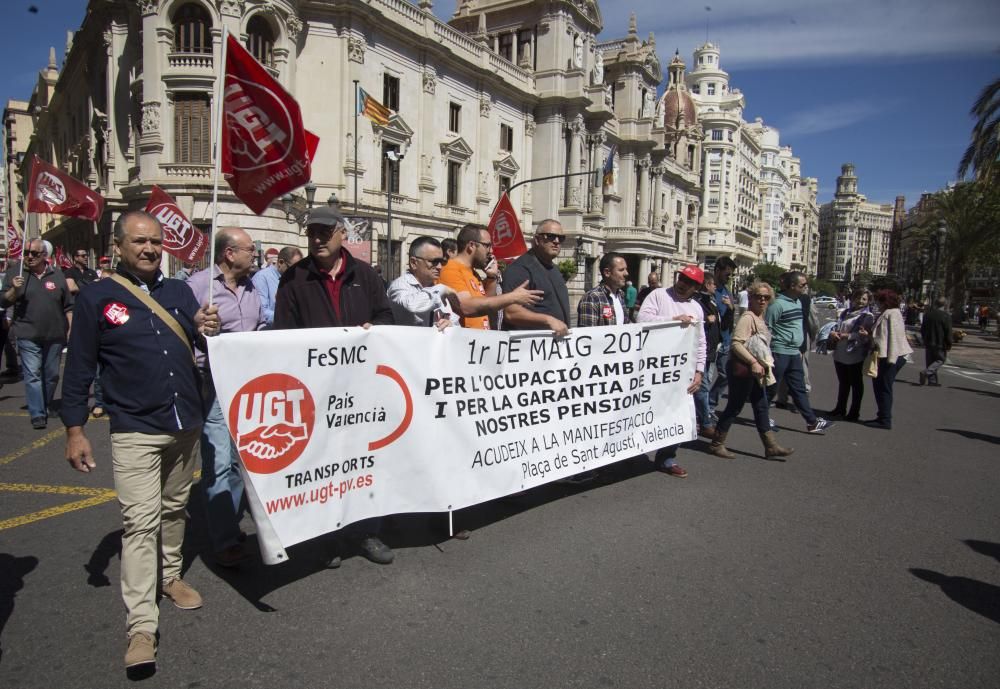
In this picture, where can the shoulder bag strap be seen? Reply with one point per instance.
(155, 307)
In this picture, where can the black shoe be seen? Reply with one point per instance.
(39, 423)
(923, 378)
(878, 423)
(376, 551)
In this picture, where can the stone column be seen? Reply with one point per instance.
(657, 194)
(150, 144)
(597, 163)
(576, 128)
(643, 215)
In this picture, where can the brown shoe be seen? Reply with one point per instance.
(718, 446)
(675, 471)
(707, 432)
(141, 650)
(771, 446)
(183, 596)
(231, 557)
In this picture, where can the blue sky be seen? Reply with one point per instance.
(885, 84)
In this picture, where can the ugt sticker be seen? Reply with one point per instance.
(116, 313)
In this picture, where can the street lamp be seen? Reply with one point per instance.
(395, 157)
(333, 201)
(296, 208)
(939, 237)
(579, 254)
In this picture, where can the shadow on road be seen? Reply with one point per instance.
(109, 547)
(986, 393)
(973, 435)
(977, 596)
(12, 572)
(985, 548)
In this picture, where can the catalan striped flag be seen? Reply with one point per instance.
(372, 109)
(609, 166)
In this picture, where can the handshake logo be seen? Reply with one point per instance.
(272, 419)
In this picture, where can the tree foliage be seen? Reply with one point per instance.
(769, 273)
(822, 288)
(983, 152)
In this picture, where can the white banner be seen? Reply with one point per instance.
(336, 425)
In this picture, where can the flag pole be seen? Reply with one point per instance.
(356, 147)
(219, 93)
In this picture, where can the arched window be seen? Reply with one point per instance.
(192, 29)
(260, 40)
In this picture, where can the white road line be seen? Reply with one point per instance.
(970, 376)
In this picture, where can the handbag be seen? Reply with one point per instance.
(871, 364)
(738, 369)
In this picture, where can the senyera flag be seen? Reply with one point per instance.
(505, 231)
(53, 191)
(266, 151)
(14, 244)
(180, 238)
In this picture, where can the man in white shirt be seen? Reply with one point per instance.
(416, 300)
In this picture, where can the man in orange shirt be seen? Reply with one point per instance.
(474, 251)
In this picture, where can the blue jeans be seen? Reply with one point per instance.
(702, 408)
(882, 386)
(788, 368)
(741, 390)
(220, 475)
(40, 365)
(721, 379)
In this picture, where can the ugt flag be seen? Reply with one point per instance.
(505, 231)
(13, 243)
(53, 191)
(180, 238)
(265, 149)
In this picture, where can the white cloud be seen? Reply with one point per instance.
(829, 117)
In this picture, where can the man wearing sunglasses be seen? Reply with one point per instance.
(475, 252)
(416, 299)
(42, 304)
(80, 273)
(538, 270)
(677, 304)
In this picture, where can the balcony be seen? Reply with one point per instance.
(189, 70)
(633, 239)
(189, 60)
(198, 171)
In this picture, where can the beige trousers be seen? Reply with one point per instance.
(153, 477)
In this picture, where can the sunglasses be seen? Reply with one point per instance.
(435, 262)
(549, 237)
(766, 297)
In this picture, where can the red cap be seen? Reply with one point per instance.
(105, 259)
(271, 252)
(694, 273)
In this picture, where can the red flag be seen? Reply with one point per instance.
(13, 243)
(53, 191)
(505, 231)
(61, 259)
(265, 148)
(180, 237)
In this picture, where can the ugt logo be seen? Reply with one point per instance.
(176, 228)
(50, 189)
(257, 138)
(504, 231)
(272, 419)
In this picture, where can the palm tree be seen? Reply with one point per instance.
(984, 149)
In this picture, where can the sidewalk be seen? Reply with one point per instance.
(979, 351)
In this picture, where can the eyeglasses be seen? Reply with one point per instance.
(252, 251)
(34, 254)
(549, 237)
(485, 245)
(435, 262)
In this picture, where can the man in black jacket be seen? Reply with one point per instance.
(330, 288)
(713, 336)
(936, 334)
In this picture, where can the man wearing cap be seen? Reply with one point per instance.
(676, 304)
(330, 288)
(266, 279)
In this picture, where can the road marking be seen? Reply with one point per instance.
(970, 376)
(55, 490)
(37, 445)
(107, 495)
(14, 413)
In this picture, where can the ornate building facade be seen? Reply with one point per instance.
(854, 233)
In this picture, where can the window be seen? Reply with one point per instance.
(696, 89)
(192, 29)
(454, 117)
(503, 186)
(390, 92)
(711, 88)
(454, 175)
(730, 133)
(260, 40)
(192, 127)
(390, 169)
(505, 46)
(506, 138)
(716, 135)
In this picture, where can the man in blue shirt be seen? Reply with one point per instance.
(265, 281)
(151, 393)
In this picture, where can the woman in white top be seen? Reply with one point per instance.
(889, 339)
(849, 350)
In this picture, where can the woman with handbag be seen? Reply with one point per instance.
(849, 349)
(890, 348)
(750, 372)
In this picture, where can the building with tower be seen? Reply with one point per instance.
(854, 233)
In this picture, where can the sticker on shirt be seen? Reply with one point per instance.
(49, 285)
(608, 312)
(477, 286)
(116, 313)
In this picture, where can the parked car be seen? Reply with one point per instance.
(825, 302)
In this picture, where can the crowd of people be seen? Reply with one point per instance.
(133, 318)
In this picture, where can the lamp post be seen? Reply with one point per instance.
(939, 237)
(395, 157)
(292, 204)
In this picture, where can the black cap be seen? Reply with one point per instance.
(326, 216)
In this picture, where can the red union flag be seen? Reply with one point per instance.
(266, 151)
(13, 243)
(180, 238)
(53, 191)
(505, 231)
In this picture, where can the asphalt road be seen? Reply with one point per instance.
(869, 559)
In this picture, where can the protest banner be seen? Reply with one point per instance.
(338, 425)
